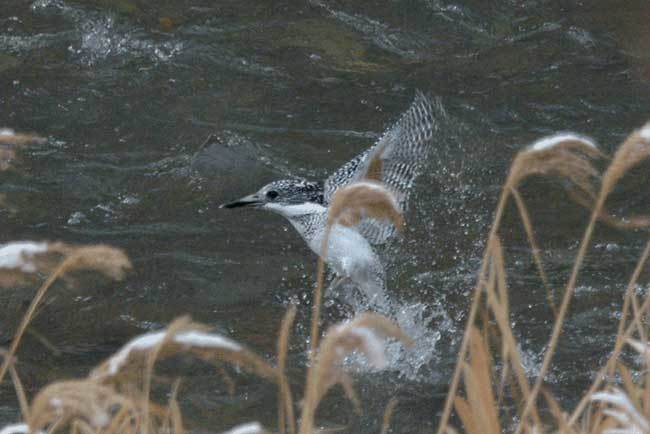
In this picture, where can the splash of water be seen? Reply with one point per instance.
(425, 323)
(99, 37)
(102, 39)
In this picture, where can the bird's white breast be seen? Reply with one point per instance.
(348, 252)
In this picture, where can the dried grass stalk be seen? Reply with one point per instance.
(20, 392)
(16, 428)
(364, 333)
(566, 155)
(10, 142)
(21, 261)
(84, 401)
(351, 204)
(622, 414)
(388, 414)
(10, 137)
(496, 291)
(29, 257)
(622, 336)
(365, 199)
(557, 413)
(561, 149)
(109, 402)
(173, 418)
(94, 405)
(479, 410)
(630, 153)
(478, 291)
(150, 360)
(642, 391)
(190, 339)
(87, 407)
(535, 249)
(111, 262)
(285, 402)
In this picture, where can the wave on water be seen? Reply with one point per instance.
(98, 37)
(101, 38)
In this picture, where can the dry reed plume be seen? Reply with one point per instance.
(482, 408)
(20, 260)
(10, 137)
(365, 199)
(11, 141)
(115, 397)
(365, 333)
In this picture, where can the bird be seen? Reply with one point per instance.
(401, 151)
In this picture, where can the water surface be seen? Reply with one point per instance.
(156, 112)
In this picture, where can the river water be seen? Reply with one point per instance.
(156, 112)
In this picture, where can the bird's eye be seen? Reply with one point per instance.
(272, 194)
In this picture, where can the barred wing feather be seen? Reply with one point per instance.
(396, 159)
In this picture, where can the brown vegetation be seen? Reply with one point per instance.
(489, 380)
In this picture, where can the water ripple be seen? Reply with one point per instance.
(101, 39)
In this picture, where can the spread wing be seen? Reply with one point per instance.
(396, 159)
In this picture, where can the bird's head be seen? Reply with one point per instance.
(289, 197)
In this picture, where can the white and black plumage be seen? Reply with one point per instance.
(403, 150)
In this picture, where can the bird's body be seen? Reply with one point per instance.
(348, 252)
(401, 153)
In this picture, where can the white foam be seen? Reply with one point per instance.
(415, 320)
(7, 132)
(373, 346)
(550, 141)
(19, 255)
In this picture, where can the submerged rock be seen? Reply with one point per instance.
(229, 162)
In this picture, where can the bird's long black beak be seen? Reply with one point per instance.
(251, 200)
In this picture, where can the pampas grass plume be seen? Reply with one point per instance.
(365, 199)
(365, 333)
(11, 137)
(567, 155)
(10, 141)
(189, 338)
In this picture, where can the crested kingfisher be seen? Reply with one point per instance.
(403, 150)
